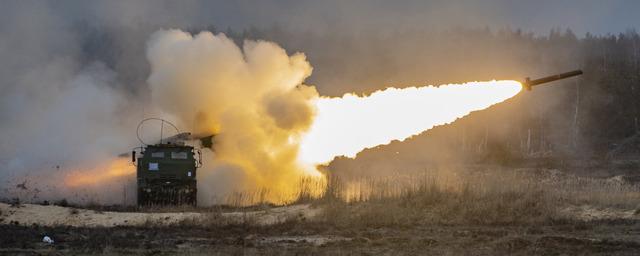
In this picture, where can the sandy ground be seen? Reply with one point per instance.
(593, 231)
(590, 213)
(574, 238)
(581, 230)
(51, 215)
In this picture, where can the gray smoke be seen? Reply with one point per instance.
(73, 73)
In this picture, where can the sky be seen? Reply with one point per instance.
(582, 16)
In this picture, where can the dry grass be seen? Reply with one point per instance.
(446, 196)
(489, 196)
(462, 197)
(613, 192)
(306, 190)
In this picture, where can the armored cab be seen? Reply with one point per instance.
(166, 175)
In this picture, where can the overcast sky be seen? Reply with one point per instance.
(596, 16)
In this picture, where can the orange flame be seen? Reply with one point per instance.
(103, 173)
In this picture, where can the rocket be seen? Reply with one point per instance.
(528, 83)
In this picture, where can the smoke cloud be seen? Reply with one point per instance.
(38, 145)
(75, 81)
(253, 98)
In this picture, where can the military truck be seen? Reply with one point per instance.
(166, 171)
(166, 175)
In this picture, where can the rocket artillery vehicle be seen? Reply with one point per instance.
(528, 83)
(166, 171)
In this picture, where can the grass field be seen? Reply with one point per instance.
(483, 210)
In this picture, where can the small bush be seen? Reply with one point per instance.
(62, 203)
(15, 202)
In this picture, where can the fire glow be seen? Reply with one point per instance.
(347, 125)
(272, 130)
(118, 168)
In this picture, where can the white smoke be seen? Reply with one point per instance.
(59, 119)
(253, 98)
(65, 123)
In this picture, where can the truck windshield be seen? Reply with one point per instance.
(179, 155)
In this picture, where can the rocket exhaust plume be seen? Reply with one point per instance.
(109, 171)
(347, 125)
(271, 129)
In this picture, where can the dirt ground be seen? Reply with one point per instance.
(578, 238)
(293, 231)
(52, 215)
(570, 216)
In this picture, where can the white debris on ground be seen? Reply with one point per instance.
(51, 215)
(313, 239)
(589, 213)
(47, 239)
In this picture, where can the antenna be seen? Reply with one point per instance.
(162, 122)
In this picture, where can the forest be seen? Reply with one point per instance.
(586, 116)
